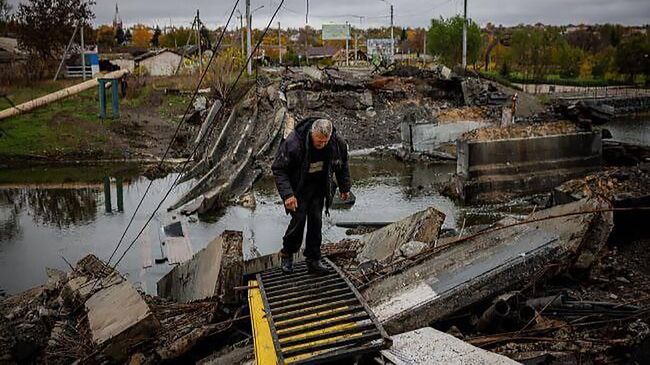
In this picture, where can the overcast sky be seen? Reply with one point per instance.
(375, 12)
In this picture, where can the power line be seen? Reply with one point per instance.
(228, 94)
(180, 123)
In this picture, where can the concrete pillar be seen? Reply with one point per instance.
(107, 194)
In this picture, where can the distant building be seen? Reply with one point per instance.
(159, 63)
(117, 20)
(321, 52)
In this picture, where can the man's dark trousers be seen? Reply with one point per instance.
(309, 211)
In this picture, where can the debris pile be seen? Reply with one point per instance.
(94, 314)
(236, 142)
(615, 184)
(521, 131)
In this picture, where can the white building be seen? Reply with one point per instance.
(159, 63)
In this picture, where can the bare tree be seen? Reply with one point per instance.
(5, 11)
(45, 26)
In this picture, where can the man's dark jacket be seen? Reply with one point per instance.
(291, 163)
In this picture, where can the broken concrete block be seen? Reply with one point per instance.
(119, 318)
(445, 72)
(429, 346)
(76, 290)
(92, 266)
(491, 262)
(382, 244)
(213, 271)
(412, 248)
(313, 72)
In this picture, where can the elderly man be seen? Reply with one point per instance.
(303, 169)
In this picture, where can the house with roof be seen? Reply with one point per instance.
(162, 62)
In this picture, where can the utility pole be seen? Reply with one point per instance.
(392, 36)
(67, 49)
(241, 32)
(83, 52)
(424, 50)
(280, 43)
(356, 52)
(249, 65)
(465, 36)
(347, 45)
(198, 39)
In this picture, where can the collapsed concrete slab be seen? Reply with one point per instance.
(626, 187)
(119, 318)
(478, 267)
(429, 346)
(213, 271)
(488, 167)
(426, 137)
(384, 244)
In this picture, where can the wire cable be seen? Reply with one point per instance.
(178, 127)
(229, 92)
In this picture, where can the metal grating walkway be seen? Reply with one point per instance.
(313, 319)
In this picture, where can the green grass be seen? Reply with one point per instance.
(173, 105)
(64, 126)
(72, 125)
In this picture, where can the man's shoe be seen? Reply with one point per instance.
(286, 264)
(316, 267)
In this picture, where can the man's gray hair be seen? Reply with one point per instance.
(322, 126)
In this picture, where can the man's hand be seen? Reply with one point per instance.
(345, 196)
(291, 203)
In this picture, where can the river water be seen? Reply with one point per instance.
(50, 215)
(53, 215)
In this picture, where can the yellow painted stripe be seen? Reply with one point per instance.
(322, 331)
(325, 341)
(308, 355)
(313, 324)
(313, 315)
(263, 340)
(300, 310)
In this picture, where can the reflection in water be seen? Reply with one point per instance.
(72, 222)
(9, 224)
(62, 207)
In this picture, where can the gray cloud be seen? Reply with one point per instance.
(375, 12)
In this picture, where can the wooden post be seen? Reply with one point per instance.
(120, 194)
(107, 194)
(83, 53)
(116, 98)
(102, 98)
(44, 100)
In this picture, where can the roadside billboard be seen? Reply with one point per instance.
(378, 46)
(336, 32)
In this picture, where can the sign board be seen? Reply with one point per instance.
(336, 32)
(378, 46)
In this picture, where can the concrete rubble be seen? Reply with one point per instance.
(236, 142)
(462, 273)
(119, 318)
(211, 272)
(429, 346)
(490, 286)
(385, 244)
(498, 163)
